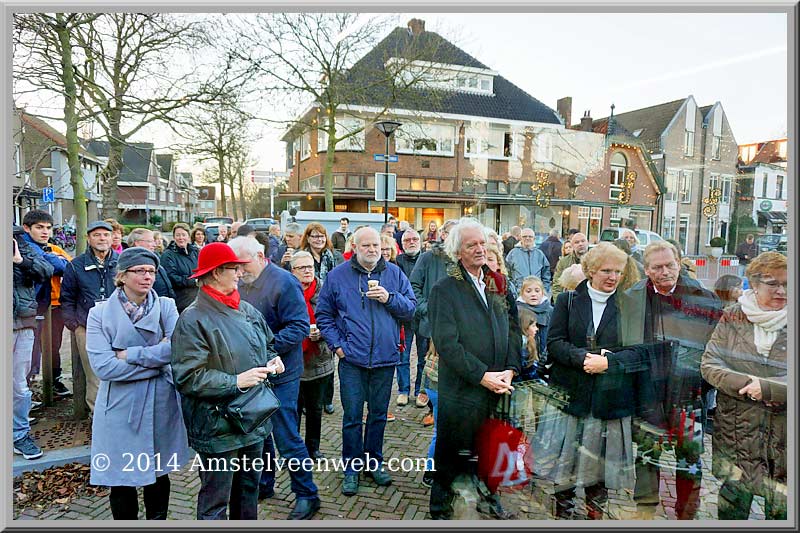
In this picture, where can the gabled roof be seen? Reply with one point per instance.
(509, 102)
(651, 120)
(50, 133)
(135, 159)
(769, 153)
(164, 162)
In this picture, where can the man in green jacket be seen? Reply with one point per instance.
(580, 245)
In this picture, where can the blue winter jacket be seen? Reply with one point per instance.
(279, 297)
(366, 330)
(84, 283)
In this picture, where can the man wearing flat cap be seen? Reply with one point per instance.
(88, 279)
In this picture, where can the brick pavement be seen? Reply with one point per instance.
(405, 499)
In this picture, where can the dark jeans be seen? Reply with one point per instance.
(358, 385)
(289, 444)
(125, 502)
(327, 393)
(310, 399)
(57, 332)
(735, 499)
(422, 349)
(220, 488)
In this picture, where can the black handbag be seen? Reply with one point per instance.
(251, 410)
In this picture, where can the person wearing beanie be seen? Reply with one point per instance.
(128, 339)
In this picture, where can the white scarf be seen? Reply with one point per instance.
(599, 299)
(766, 324)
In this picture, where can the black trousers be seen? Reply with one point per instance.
(327, 394)
(220, 488)
(56, 336)
(125, 501)
(310, 399)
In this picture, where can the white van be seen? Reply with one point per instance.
(645, 236)
(330, 219)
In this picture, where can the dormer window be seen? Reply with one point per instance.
(445, 76)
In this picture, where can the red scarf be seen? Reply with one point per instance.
(500, 282)
(310, 349)
(231, 300)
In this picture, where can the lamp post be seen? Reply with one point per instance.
(387, 127)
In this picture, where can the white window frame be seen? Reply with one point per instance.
(716, 147)
(713, 181)
(688, 141)
(685, 190)
(171, 196)
(764, 183)
(614, 219)
(476, 136)
(711, 229)
(780, 181)
(672, 179)
(443, 135)
(617, 177)
(688, 220)
(583, 219)
(305, 145)
(727, 187)
(162, 195)
(151, 192)
(354, 143)
(669, 228)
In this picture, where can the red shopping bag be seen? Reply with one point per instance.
(505, 456)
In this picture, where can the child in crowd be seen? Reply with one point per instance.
(534, 309)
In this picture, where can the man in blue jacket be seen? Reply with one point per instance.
(359, 313)
(88, 279)
(527, 260)
(278, 295)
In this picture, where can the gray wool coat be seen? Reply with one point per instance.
(138, 410)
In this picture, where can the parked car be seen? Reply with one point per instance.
(260, 224)
(645, 236)
(769, 242)
(218, 220)
(782, 245)
(212, 231)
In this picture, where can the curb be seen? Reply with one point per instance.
(60, 457)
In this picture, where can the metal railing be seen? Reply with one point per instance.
(711, 269)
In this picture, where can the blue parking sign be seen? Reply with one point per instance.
(48, 195)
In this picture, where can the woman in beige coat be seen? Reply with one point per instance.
(745, 360)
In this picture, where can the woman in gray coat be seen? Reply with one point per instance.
(137, 434)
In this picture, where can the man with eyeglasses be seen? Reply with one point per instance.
(88, 279)
(528, 260)
(406, 261)
(359, 312)
(673, 316)
(144, 238)
(279, 296)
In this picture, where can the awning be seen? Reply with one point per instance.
(777, 217)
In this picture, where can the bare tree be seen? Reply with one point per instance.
(320, 57)
(43, 62)
(130, 75)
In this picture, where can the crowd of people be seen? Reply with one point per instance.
(644, 358)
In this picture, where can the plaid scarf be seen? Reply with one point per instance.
(134, 310)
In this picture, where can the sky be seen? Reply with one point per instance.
(630, 60)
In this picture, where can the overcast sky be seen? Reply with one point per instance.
(631, 60)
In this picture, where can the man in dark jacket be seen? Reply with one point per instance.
(340, 236)
(746, 252)
(673, 317)
(360, 309)
(144, 237)
(476, 333)
(31, 271)
(279, 297)
(88, 279)
(551, 247)
(429, 268)
(512, 240)
(406, 261)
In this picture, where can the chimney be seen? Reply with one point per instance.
(416, 26)
(564, 108)
(586, 122)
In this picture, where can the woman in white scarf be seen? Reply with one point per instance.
(745, 360)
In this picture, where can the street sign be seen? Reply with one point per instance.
(382, 158)
(48, 195)
(267, 177)
(385, 192)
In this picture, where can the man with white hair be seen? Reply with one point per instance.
(528, 260)
(359, 313)
(476, 333)
(279, 296)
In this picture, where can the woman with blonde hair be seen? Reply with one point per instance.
(634, 271)
(388, 248)
(746, 361)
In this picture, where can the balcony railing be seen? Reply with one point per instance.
(360, 182)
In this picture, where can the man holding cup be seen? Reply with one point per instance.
(359, 314)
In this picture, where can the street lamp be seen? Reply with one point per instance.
(387, 127)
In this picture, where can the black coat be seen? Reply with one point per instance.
(33, 271)
(551, 248)
(606, 396)
(162, 285)
(179, 264)
(84, 283)
(509, 245)
(471, 339)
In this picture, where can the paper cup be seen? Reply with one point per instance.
(373, 283)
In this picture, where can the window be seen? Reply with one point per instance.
(544, 148)
(685, 192)
(614, 219)
(490, 142)
(344, 125)
(764, 181)
(305, 145)
(669, 228)
(171, 197)
(151, 192)
(779, 188)
(594, 224)
(716, 143)
(638, 132)
(619, 167)
(727, 182)
(711, 229)
(426, 139)
(688, 142)
(583, 219)
(671, 185)
(162, 195)
(713, 182)
(683, 232)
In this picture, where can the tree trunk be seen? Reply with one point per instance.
(233, 198)
(110, 176)
(242, 199)
(221, 169)
(327, 174)
(73, 146)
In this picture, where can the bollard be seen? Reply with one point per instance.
(79, 408)
(46, 344)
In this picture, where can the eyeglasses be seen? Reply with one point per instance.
(305, 267)
(412, 239)
(316, 236)
(142, 271)
(775, 284)
(236, 268)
